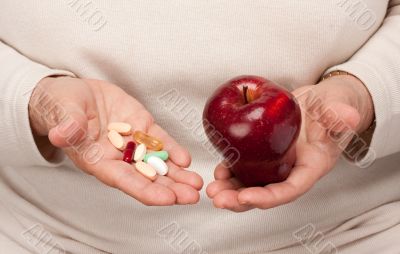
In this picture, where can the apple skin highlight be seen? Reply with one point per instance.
(261, 121)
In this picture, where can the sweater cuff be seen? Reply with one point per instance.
(372, 148)
(23, 150)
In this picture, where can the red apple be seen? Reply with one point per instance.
(258, 119)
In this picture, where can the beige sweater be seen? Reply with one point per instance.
(150, 47)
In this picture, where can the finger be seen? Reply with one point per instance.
(71, 130)
(220, 185)
(335, 112)
(123, 176)
(177, 153)
(222, 172)
(73, 118)
(269, 196)
(141, 120)
(185, 194)
(94, 128)
(300, 181)
(184, 176)
(228, 199)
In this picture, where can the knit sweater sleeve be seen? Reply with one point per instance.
(377, 65)
(18, 77)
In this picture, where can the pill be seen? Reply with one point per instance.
(116, 139)
(151, 142)
(146, 170)
(158, 164)
(163, 155)
(128, 152)
(140, 152)
(120, 127)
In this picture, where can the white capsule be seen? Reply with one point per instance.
(140, 152)
(158, 164)
(146, 170)
(120, 127)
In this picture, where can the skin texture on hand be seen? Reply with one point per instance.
(344, 107)
(90, 105)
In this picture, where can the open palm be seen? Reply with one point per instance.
(329, 120)
(89, 105)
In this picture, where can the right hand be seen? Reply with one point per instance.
(331, 113)
(91, 105)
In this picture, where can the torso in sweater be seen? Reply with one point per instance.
(151, 47)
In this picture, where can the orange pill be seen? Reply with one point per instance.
(150, 142)
(146, 170)
(120, 127)
(116, 139)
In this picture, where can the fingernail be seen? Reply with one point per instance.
(243, 202)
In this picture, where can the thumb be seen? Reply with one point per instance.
(348, 117)
(72, 128)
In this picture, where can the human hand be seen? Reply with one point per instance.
(70, 113)
(331, 113)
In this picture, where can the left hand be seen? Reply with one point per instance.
(318, 147)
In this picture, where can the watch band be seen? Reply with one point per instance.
(335, 73)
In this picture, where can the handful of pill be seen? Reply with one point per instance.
(148, 164)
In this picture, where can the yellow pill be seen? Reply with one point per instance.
(151, 142)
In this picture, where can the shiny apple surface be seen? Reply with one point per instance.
(259, 119)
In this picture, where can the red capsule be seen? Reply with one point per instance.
(129, 151)
(131, 145)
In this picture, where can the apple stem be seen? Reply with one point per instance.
(245, 88)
